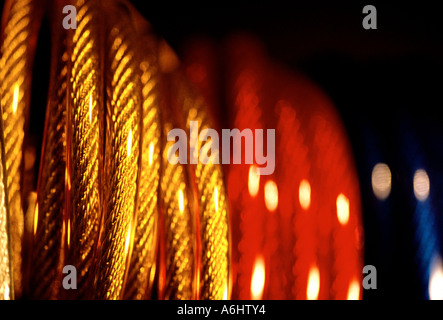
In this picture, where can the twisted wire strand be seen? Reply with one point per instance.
(179, 233)
(179, 238)
(142, 263)
(86, 97)
(15, 66)
(44, 277)
(123, 128)
(6, 284)
(212, 201)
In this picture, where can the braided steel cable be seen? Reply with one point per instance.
(180, 251)
(17, 50)
(211, 199)
(85, 141)
(122, 149)
(142, 265)
(47, 256)
(6, 276)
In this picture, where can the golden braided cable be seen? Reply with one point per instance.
(6, 284)
(45, 267)
(123, 129)
(142, 264)
(15, 76)
(179, 227)
(179, 239)
(85, 143)
(212, 202)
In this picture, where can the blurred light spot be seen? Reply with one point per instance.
(253, 180)
(342, 209)
(258, 279)
(304, 194)
(381, 181)
(181, 204)
(90, 109)
(354, 290)
(225, 293)
(15, 99)
(151, 153)
(421, 185)
(271, 195)
(436, 280)
(68, 233)
(128, 240)
(313, 287)
(67, 179)
(129, 142)
(6, 295)
(35, 218)
(29, 158)
(30, 212)
(216, 198)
